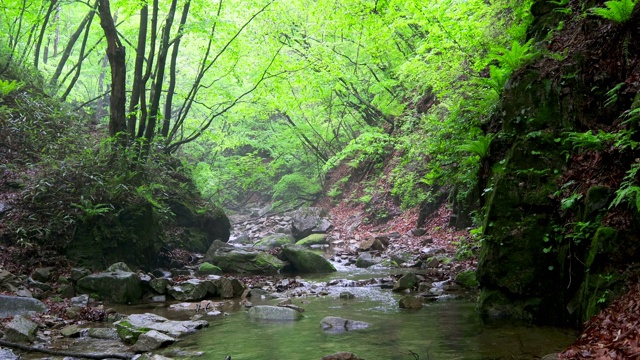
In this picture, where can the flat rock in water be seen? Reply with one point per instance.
(411, 302)
(16, 305)
(152, 340)
(134, 325)
(306, 261)
(338, 324)
(342, 356)
(268, 312)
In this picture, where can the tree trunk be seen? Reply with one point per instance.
(116, 55)
(172, 72)
(42, 31)
(138, 89)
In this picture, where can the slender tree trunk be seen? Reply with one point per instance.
(42, 31)
(72, 41)
(142, 124)
(159, 80)
(138, 89)
(172, 72)
(81, 55)
(116, 55)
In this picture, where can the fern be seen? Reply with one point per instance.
(478, 147)
(7, 87)
(518, 55)
(618, 11)
(629, 191)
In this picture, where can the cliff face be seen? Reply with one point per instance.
(561, 225)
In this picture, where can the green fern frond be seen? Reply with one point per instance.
(478, 147)
(618, 11)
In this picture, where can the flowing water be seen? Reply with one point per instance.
(441, 330)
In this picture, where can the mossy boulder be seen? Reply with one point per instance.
(239, 261)
(314, 239)
(208, 269)
(120, 287)
(467, 279)
(274, 241)
(306, 261)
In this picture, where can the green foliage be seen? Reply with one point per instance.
(479, 146)
(294, 188)
(590, 141)
(617, 11)
(514, 57)
(7, 87)
(371, 146)
(629, 190)
(90, 210)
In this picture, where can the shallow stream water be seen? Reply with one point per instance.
(441, 330)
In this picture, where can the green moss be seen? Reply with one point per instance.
(313, 239)
(208, 268)
(467, 279)
(603, 241)
(128, 333)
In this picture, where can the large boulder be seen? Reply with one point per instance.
(239, 261)
(306, 261)
(16, 305)
(268, 312)
(338, 324)
(119, 286)
(307, 221)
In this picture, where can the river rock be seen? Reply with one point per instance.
(342, 356)
(160, 285)
(16, 305)
(119, 286)
(208, 269)
(8, 281)
(232, 260)
(407, 281)
(103, 333)
(306, 261)
(7, 354)
(411, 302)
(130, 328)
(274, 241)
(378, 243)
(152, 340)
(268, 312)
(42, 274)
(192, 290)
(366, 260)
(20, 329)
(79, 273)
(314, 239)
(309, 220)
(119, 266)
(338, 324)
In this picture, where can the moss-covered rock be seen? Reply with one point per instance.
(274, 241)
(467, 279)
(314, 239)
(208, 269)
(306, 261)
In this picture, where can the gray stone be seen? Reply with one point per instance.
(225, 288)
(80, 301)
(71, 331)
(342, 356)
(118, 287)
(15, 305)
(103, 333)
(268, 312)
(407, 281)
(338, 324)
(310, 220)
(378, 243)
(347, 295)
(160, 285)
(131, 327)
(192, 290)
(79, 273)
(366, 260)
(7, 354)
(42, 274)
(306, 261)
(418, 231)
(20, 329)
(152, 340)
(411, 302)
(119, 266)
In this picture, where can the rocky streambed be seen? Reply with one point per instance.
(273, 269)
